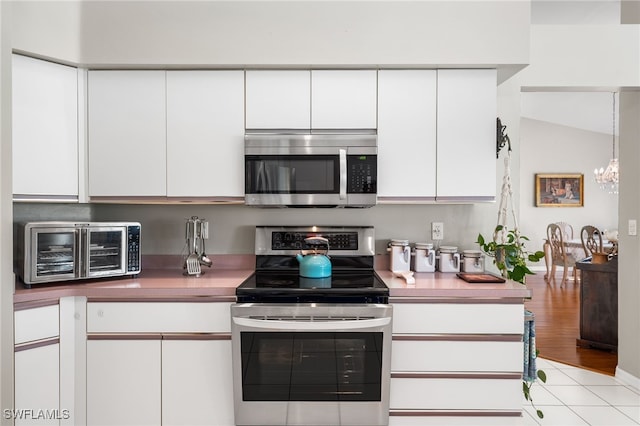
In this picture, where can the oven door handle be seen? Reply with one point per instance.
(313, 325)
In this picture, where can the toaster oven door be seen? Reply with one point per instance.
(52, 255)
(104, 251)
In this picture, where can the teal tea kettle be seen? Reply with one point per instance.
(315, 263)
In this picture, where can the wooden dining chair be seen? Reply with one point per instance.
(591, 240)
(560, 256)
(567, 230)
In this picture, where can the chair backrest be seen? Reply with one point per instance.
(591, 240)
(567, 230)
(556, 238)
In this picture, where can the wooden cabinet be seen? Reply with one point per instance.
(344, 99)
(45, 130)
(37, 366)
(599, 304)
(467, 108)
(166, 134)
(452, 358)
(127, 133)
(278, 99)
(407, 135)
(186, 378)
(316, 99)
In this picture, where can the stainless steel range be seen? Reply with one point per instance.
(312, 351)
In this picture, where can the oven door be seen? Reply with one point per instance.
(311, 364)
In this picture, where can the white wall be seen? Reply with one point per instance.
(6, 217)
(553, 148)
(629, 267)
(266, 33)
(594, 56)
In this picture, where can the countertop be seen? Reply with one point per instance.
(162, 279)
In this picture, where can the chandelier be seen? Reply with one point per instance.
(608, 178)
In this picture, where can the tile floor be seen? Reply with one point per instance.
(573, 396)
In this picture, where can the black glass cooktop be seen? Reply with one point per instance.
(358, 286)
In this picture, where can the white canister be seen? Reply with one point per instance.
(425, 258)
(449, 259)
(400, 255)
(472, 261)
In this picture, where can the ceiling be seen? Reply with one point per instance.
(592, 111)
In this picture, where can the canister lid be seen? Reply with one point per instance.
(448, 249)
(423, 246)
(395, 242)
(472, 253)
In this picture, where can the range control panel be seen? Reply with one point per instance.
(282, 240)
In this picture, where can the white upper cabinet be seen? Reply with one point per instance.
(127, 133)
(466, 155)
(45, 130)
(343, 99)
(278, 99)
(317, 99)
(205, 133)
(166, 134)
(407, 134)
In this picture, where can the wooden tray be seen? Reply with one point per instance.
(477, 278)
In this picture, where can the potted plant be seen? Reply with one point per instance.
(510, 257)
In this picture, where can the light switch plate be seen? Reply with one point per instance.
(633, 227)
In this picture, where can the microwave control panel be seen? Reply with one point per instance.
(362, 174)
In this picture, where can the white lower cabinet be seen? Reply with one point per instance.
(159, 363)
(37, 386)
(37, 366)
(456, 359)
(123, 382)
(197, 387)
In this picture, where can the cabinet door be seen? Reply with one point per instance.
(407, 134)
(203, 367)
(466, 135)
(205, 133)
(123, 382)
(278, 99)
(45, 129)
(37, 385)
(127, 133)
(343, 99)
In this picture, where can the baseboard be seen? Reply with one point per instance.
(628, 378)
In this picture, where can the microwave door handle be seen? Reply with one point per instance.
(343, 174)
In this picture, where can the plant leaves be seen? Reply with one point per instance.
(542, 376)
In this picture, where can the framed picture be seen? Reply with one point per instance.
(560, 190)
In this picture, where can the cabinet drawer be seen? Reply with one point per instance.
(458, 318)
(460, 356)
(37, 323)
(456, 394)
(158, 317)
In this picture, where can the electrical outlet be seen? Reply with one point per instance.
(633, 227)
(437, 231)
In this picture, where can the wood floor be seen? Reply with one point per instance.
(557, 313)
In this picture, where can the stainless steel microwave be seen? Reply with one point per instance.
(328, 169)
(62, 251)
